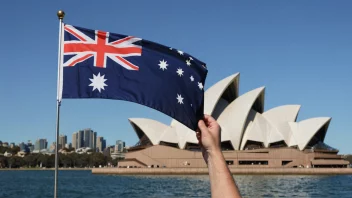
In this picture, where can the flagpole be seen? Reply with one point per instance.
(60, 15)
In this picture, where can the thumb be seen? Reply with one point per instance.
(203, 128)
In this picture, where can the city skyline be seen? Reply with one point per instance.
(44, 143)
(301, 55)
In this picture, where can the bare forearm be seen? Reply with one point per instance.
(221, 180)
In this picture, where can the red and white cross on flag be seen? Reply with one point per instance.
(84, 47)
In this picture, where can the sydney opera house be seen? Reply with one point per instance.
(250, 137)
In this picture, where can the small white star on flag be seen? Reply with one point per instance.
(180, 52)
(190, 58)
(179, 72)
(200, 85)
(179, 99)
(188, 62)
(192, 79)
(98, 82)
(163, 65)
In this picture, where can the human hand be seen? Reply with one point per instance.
(209, 136)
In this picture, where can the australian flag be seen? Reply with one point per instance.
(98, 64)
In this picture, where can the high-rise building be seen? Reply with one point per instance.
(52, 147)
(23, 147)
(68, 146)
(99, 147)
(120, 145)
(40, 144)
(93, 144)
(62, 141)
(88, 138)
(5, 144)
(103, 144)
(74, 140)
(12, 145)
(84, 138)
(80, 139)
(31, 148)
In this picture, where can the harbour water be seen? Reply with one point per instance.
(83, 184)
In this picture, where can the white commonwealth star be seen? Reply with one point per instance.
(200, 85)
(192, 79)
(163, 64)
(170, 48)
(190, 58)
(188, 62)
(98, 82)
(180, 52)
(179, 72)
(179, 99)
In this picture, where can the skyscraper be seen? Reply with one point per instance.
(40, 144)
(84, 138)
(68, 146)
(88, 138)
(52, 147)
(120, 145)
(31, 148)
(103, 145)
(12, 145)
(23, 146)
(80, 139)
(74, 140)
(99, 147)
(62, 141)
(94, 142)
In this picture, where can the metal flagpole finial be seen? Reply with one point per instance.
(61, 14)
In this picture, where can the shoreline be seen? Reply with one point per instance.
(234, 171)
(44, 169)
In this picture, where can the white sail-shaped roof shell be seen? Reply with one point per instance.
(233, 119)
(260, 130)
(279, 117)
(305, 130)
(151, 128)
(215, 92)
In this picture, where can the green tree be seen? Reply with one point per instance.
(30, 160)
(5, 149)
(42, 160)
(73, 157)
(65, 160)
(3, 162)
(15, 150)
(97, 159)
(16, 162)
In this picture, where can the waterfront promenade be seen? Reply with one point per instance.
(51, 169)
(235, 171)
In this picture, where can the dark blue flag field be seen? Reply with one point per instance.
(98, 64)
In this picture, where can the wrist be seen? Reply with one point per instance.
(215, 153)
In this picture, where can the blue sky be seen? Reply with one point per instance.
(300, 50)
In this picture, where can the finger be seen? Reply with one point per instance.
(209, 118)
(201, 125)
(198, 135)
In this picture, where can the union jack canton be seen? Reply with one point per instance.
(100, 48)
(99, 64)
